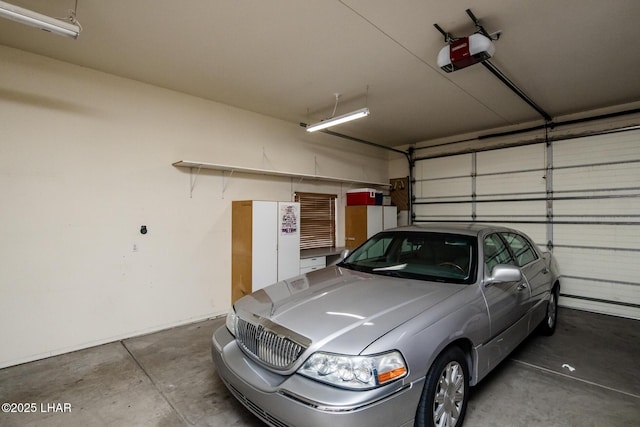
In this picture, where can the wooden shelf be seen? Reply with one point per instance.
(301, 176)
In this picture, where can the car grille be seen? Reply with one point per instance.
(273, 349)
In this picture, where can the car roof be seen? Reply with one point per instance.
(467, 228)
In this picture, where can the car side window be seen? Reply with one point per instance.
(521, 248)
(496, 252)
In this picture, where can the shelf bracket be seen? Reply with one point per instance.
(226, 182)
(192, 180)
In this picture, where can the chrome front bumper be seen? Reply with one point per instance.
(288, 401)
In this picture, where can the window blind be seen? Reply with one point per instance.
(317, 220)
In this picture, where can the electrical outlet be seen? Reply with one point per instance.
(135, 247)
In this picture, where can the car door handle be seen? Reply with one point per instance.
(521, 287)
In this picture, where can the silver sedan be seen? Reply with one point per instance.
(394, 334)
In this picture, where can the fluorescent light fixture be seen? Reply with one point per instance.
(363, 112)
(38, 20)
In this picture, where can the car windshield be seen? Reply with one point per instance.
(443, 257)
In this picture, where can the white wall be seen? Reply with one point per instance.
(86, 160)
(398, 165)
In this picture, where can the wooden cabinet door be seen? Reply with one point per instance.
(355, 226)
(241, 249)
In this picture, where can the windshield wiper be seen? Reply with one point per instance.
(391, 267)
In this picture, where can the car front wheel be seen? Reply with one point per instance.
(446, 391)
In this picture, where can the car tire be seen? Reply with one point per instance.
(548, 325)
(446, 391)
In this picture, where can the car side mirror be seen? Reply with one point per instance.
(502, 273)
(343, 255)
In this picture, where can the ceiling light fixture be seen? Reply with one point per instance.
(336, 120)
(363, 112)
(71, 28)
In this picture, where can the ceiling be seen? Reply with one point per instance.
(287, 58)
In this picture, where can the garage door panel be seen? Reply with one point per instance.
(512, 159)
(513, 221)
(618, 293)
(531, 209)
(597, 235)
(614, 147)
(604, 177)
(455, 211)
(516, 183)
(600, 307)
(605, 265)
(610, 207)
(449, 188)
(537, 232)
(612, 298)
(444, 167)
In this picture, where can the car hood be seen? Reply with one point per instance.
(343, 310)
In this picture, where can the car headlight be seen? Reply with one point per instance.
(231, 321)
(355, 372)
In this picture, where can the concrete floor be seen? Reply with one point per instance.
(587, 374)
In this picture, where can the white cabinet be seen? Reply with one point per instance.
(314, 263)
(265, 244)
(389, 217)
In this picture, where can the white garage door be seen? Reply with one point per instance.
(580, 197)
